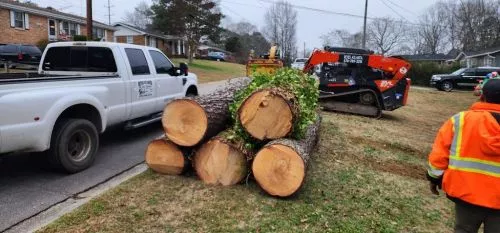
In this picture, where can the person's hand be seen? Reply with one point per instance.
(434, 188)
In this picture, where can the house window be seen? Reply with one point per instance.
(69, 29)
(97, 33)
(130, 39)
(65, 27)
(18, 19)
(152, 42)
(72, 29)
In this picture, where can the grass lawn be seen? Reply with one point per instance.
(210, 71)
(366, 175)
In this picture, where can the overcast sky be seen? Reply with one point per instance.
(311, 24)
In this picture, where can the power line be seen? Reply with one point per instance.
(392, 9)
(403, 8)
(338, 13)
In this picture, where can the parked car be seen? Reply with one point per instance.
(20, 54)
(217, 56)
(299, 63)
(81, 89)
(462, 78)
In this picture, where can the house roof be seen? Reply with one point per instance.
(483, 52)
(49, 12)
(149, 32)
(427, 57)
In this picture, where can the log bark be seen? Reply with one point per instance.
(190, 121)
(164, 157)
(280, 166)
(269, 113)
(221, 161)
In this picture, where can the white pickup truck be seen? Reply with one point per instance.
(81, 89)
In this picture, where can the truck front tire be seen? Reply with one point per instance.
(446, 86)
(74, 145)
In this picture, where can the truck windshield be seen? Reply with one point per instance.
(459, 71)
(83, 59)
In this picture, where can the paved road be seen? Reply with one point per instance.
(28, 187)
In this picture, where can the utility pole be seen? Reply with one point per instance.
(109, 11)
(89, 19)
(304, 49)
(364, 25)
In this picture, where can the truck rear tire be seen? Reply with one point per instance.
(74, 145)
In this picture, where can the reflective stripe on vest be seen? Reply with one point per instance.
(458, 125)
(475, 165)
(434, 172)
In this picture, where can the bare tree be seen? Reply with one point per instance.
(385, 34)
(243, 28)
(141, 16)
(471, 24)
(343, 38)
(432, 30)
(280, 28)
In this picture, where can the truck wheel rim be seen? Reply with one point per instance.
(79, 146)
(446, 86)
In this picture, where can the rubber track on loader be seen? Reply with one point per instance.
(328, 103)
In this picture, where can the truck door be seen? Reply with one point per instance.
(142, 84)
(168, 85)
(468, 78)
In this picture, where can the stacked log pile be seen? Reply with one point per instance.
(266, 127)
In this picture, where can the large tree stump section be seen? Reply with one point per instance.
(164, 157)
(268, 114)
(190, 121)
(221, 162)
(280, 166)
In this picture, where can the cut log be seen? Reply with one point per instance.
(280, 166)
(164, 157)
(220, 161)
(268, 114)
(190, 121)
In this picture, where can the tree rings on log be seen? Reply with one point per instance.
(184, 122)
(218, 162)
(165, 157)
(279, 170)
(267, 114)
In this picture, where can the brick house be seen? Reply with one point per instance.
(171, 45)
(23, 23)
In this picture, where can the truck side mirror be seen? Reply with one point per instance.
(183, 68)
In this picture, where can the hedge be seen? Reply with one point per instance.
(421, 72)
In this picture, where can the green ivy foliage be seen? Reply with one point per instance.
(303, 86)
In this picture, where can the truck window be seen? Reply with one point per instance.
(30, 49)
(162, 64)
(84, 59)
(137, 61)
(10, 49)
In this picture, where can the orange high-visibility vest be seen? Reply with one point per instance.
(467, 152)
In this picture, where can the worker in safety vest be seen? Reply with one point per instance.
(465, 162)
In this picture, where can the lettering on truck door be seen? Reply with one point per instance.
(168, 86)
(143, 93)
